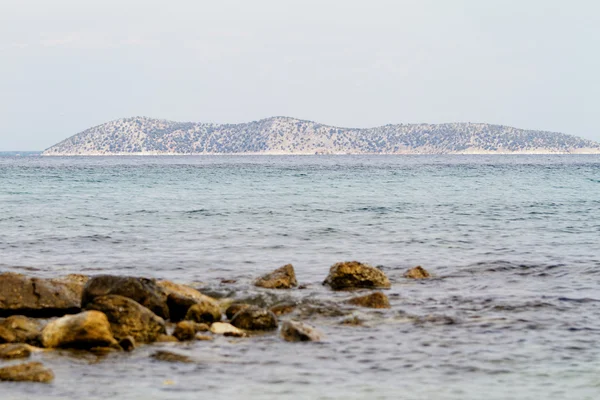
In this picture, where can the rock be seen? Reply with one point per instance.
(129, 318)
(373, 300)
(82, 331)
(181, 297)
(204, 311)
(200, 327)
(353, 321)
(30, 372)
(12, 351)
(37, 297)
(282, 278)
(166, 339)
(127, 343)
(293, 331)
(234, 309)
(144, 291)
(169, 356)
(20, 329)
(184, 331)
(417, 273)
(353, 274)
(204, 337)
(282, 309)
(223, 328)
(255, 319)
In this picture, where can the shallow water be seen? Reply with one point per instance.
(514, 243)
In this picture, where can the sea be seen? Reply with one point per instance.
(512, 242)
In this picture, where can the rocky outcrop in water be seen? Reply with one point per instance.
(281, 278)
(81, 331)
(283, 135)
(294, 331)
(417, 272)
(205, 311)
(13, 351)
(373, 300)
(254, 319)
(354, 275)
(30, 372)
(20, 329)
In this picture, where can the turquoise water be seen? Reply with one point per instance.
(514, 242)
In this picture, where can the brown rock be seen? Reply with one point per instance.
(181, 297)
(144, 291)
(282, 278)
(234, 309)
(353, 274)
(37, 297)
(129, 318)
(30, 372)
(12, 351)
(293, 331)
(166, 339)
(417, 273)
(169, 356)
(20, 329)
(255, 319)
(82, 331)
(185, 330)
(373, 300)
(204, 337)
(205, 311)
(282, 309)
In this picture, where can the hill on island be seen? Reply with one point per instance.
(282, 135)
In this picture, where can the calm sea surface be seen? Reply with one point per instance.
(514, 243)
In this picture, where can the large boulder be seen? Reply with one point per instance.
(205, 311)
(294, 331)
(353, 274)
(20, 329)
(282, 278)
(30, 372)
(373, 300)
(38, 297)
(81, 331)
(255, 319)
(181, 297)
(144, 291)
(417, 272)
(129, 318)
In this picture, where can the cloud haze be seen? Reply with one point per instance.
(67, 65)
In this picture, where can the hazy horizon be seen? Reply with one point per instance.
(68, 65)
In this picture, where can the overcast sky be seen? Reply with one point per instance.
(66, 65)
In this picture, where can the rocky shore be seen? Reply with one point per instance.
(106, 313)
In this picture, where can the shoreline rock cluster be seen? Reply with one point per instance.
(118, 313)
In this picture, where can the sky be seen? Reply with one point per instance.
(67, 65)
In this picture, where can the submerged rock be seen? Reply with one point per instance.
(169, 356)
(12, 351)
(255, 319)
(204, 311)
(37, 297)
(185, 330)
(373, 300)
(144, 291)
(20, 329)
(129, 318)
(166, 338)
(294, 331)
(82, 331)
(282, 309)
(223, 328)
(181, 297)
(353, 274)
(417, 272)
(234, 309)
(282, 278)
(30, 372)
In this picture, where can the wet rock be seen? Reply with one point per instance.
(127, 343)
(81, 331)
(373, 300)
(353, 274)
(37, 297)
(353, 321)
(13, 351)
(200, 327)
(255, 319)
(144, 291)
(166, 339)
(293, 331)
(29, 372)
(282, 278)
(282, 309)
(223, 328)
(204, 337)
(234, 309)
(129, 318)
(169, 356)
(417, 273)
(185, 330)
(205, 311)
(181, 297)
(20, 329)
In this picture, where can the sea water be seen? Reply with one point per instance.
(513, 242)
